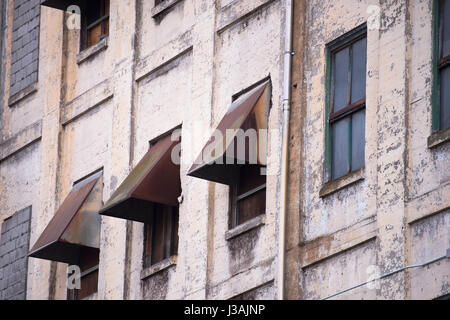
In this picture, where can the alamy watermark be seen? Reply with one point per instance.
(234, 146)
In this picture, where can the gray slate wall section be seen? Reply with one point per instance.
(14, 242)
(25, 45)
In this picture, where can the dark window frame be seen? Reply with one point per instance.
(102, 20)
(170, 237)
(345, 41)
(235, 197)
(439, 63)
(87, 274)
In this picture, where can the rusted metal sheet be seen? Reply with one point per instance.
(75, 224)
(248, 112)
(155, 179)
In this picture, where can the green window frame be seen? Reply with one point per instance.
(441, 63)
(353, 107)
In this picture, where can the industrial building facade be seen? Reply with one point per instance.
(224, 149)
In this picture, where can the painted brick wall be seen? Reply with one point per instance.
(14, 242)
(25, 45)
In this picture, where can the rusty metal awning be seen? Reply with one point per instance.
(76, 224)
(249, 111)
(62, 4)
(155, 179)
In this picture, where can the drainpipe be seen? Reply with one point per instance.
(286, 104)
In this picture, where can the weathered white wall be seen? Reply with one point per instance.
(404, 180)
(184, 66)
(248, 52)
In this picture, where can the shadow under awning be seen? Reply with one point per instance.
(155, 179)
(62, 4)
(76, 224)
(220, 157)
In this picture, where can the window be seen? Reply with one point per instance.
(441, 99)
(247, 194)
(95, 23)
(88, 263)
(157, 2)
(346, 102)
(160, 234)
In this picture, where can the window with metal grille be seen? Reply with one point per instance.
(346, 103)
(88, 263)
(160, 234)
(441, 105)
(94, 23)
(247, 194)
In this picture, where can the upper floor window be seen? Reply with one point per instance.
(247, 194)
(347, 102)
(441, 117)
(95, 22)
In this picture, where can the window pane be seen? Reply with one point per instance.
(252, 206)
(94, 34)
(94, 10)
(250, 178)
(340, 148)
(88, 285)
(359, 70)
(147, 244)
(445, 99)
(158, 237)
(175, 230)
(341, 65)
(358, 139)
(445, 10)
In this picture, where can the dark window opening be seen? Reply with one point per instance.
(444, 64)
(347, 106)
(247, 194)
(95, 22)
(157, 2)
(160, 234)
(88, 263)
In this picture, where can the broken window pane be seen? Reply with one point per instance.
(340, 148)
(341, 79)
(358, 139)
(359, 71)
(445, 99)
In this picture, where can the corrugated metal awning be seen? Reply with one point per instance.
(76, 224)
(249, 111)
(155, 179)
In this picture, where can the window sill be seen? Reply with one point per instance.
(246, 226)
(160, 266)
(22, 94)
(163, 7)
(341, 183)
(438, 138)
(92, 50)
